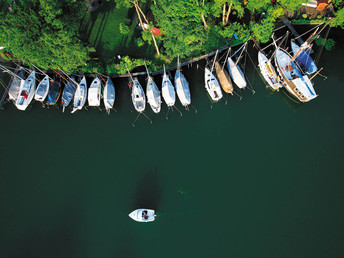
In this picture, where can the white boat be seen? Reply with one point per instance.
(42, 89)
(269, 72)
(236, 73)
(143, 215)
(80, 95)
(298, 84)
(167, 90)
(26, 92)
(138, 96)
(13, 91)
(212, 85)
(182, 87)
(109, 95)
(68, 92)
(303, 58)
(153, 95)
(94, 93)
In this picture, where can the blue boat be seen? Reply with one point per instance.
(304, 59)
(54, 91)
(68, 92)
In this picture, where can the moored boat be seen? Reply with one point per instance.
(109, 95)
(68, 92)
(153, 94)
(212, 86)
(143, 215)
(167, 90)
(269, 72)
(296, 83)
(94, 92)
(80, 95)
(236, 73)
(42, 89)
(54, 91)
(13, 91)
(303, 57)
(137, 95)
(182, 87)
(224, 79)
(26, 92)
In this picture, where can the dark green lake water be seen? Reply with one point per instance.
(260, 177)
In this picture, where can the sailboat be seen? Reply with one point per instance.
(26, 92)
(167, 90)
(224, 79)
(42, 89)
(138, 95)
(269, 72)
(80, 95)
(109, 95)
(13, 91)
(182, 87)
(143, 215)
(94, 92)
(68, 92)
(212, 86)
(54, 91)
(235, 71)
(303, 57)
(298, 84)
(153, 94)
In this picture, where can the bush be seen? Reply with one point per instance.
(123, 29)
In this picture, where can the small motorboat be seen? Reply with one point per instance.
(80, 95)
(26, 91)
(212, 86)
(94, 93)
(109, 95)
(54, 91)
(143, 215)
(42, 89)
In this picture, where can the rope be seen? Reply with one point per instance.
(321, 49)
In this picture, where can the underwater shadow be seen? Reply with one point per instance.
(148, 190)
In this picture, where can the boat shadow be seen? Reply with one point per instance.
(148, 191)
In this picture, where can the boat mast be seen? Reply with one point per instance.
(214, 61)
(147, 70)
(73, 81)
(229, 50)
(5, 70)
(131, 77)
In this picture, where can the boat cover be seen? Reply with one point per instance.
(69, 91)
(109, 94)
(182, 87)
(304, 59)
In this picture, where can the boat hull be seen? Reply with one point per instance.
(26, 92)
(236, 74)
(109, 95)
(212, 86)
(138, 96)
(94, 93)
(224, 79)
(182, 89)
(68, 92)
(304, 59)
(80, 95)
(153, 95)
(143, 215)
(268, 72)
(167, 91)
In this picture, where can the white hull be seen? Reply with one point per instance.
(80, 95)
(94, 93)
(109, 95)
(143, 215)
(138, 96)
(268, 72)
(182, 88)
(42, 89)
(153, 95)
(297, 84)
(167, 91)
(236, 73)
(26, 92)
(212, 86)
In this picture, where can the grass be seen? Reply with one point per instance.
(101, 29)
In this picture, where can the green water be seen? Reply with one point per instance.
(260, 177)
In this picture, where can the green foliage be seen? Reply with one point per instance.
(262, 31)
(124, 29)
(339, 19)
(44, 32)
(329, 44)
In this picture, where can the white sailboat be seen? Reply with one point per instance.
(94, 93)
(42, 89)
(80, 95)
(26, 92)
(143, 215)
(167, 90)
(138, 96)
(13, 91)
(298, 84)
(269, 72)
(153, 94)
(236, 73)
(109, 95)
(182, 87)
(212, 86)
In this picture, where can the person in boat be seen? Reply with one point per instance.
(144, 214)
